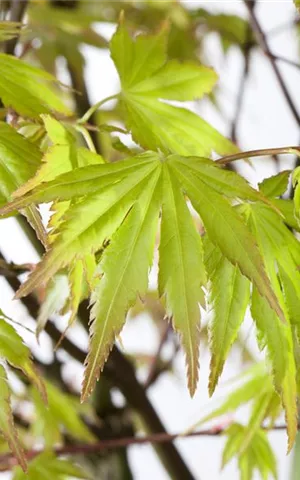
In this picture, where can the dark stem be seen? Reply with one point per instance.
(17, 11)
(263, 43)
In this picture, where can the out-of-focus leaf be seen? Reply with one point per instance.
(257, 456)
(7, 427)
(9, 30)
(15, 352)
(61, 415)
(28, 89)
(19, 160)
(47, 467)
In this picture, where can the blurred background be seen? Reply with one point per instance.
(247, 106)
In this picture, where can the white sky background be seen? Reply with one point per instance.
(266, 122)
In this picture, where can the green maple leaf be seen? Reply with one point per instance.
(228, 299)
(257, 456)
(120, 202)
(19, 160)
(27, 89)
(147, 81)
(17, 354)
(281, 252)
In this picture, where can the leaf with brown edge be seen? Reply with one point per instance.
(227, 230)
(181, 271)
(123, 273)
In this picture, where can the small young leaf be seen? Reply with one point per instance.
(47, 467)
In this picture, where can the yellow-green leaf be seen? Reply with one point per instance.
(124, 270)
(181, 271)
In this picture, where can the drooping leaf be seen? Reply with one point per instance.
(7, 427)
(228, 300)
(28, 89)
(181, 270)
(281, 251)
(127, 259)
(147, 79)
(47, 467)
(226, 229)
(19, 160)
(15, 352)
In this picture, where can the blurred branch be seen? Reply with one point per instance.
(158, 438)
(240, 94)
(17, 11)
(264, 45)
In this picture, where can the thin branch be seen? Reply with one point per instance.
(114, 443)
(259, 153)
(287, 61)
(263, 43)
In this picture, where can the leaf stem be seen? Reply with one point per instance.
(259, 153)
(95, 107)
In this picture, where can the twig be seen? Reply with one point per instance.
(156, 438)
(287, 61)
(240, 94)
(263, 43)
(259, 153)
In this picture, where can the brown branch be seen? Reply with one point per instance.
(259, 153)
(264, 45)
(17, 12)
(114, 443)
